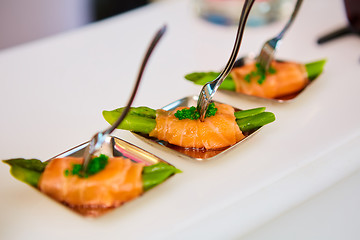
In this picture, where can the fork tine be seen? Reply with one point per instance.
(203, 99)
(268, 50)
(267, 53)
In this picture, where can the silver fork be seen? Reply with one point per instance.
(208, 90)
(269, 48)
(99, 138)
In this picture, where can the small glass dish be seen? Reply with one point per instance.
(190, 153)
(282, 99)
(113, 147)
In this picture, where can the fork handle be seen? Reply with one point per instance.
(230, 64)
(210, 88)
(150, 49)
(292, 17)
(99, 138)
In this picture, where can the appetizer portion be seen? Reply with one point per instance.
(281, 80)
(222, 127)
(218, 131)
(106, 184)
(118, 182)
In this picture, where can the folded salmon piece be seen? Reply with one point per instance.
(119, 182)
(289, 78)
(215, 132)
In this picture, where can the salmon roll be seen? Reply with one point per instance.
(287, 78)
(120, 181)
(215, 132)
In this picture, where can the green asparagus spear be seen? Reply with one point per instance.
(140, 119)
(196, 76)
(200, 78)
(249, 112)
(26, 170)
(313, 69)
(138, 111)
(256, 121)
(156, 174)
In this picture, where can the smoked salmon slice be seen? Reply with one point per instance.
(289, 78)
(120, 181)
(215, 132)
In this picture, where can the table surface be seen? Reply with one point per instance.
(54, 90)
(332, 214)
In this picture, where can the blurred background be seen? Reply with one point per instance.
(23, 21)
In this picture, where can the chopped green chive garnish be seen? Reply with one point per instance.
(248, 77)
(193, 114)
(272, 70)
(259, 73)
(95, 165)
(211, 110)
(187, 113)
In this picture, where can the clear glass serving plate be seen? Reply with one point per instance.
(282, 99)
(191, 153)
(113, 147)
